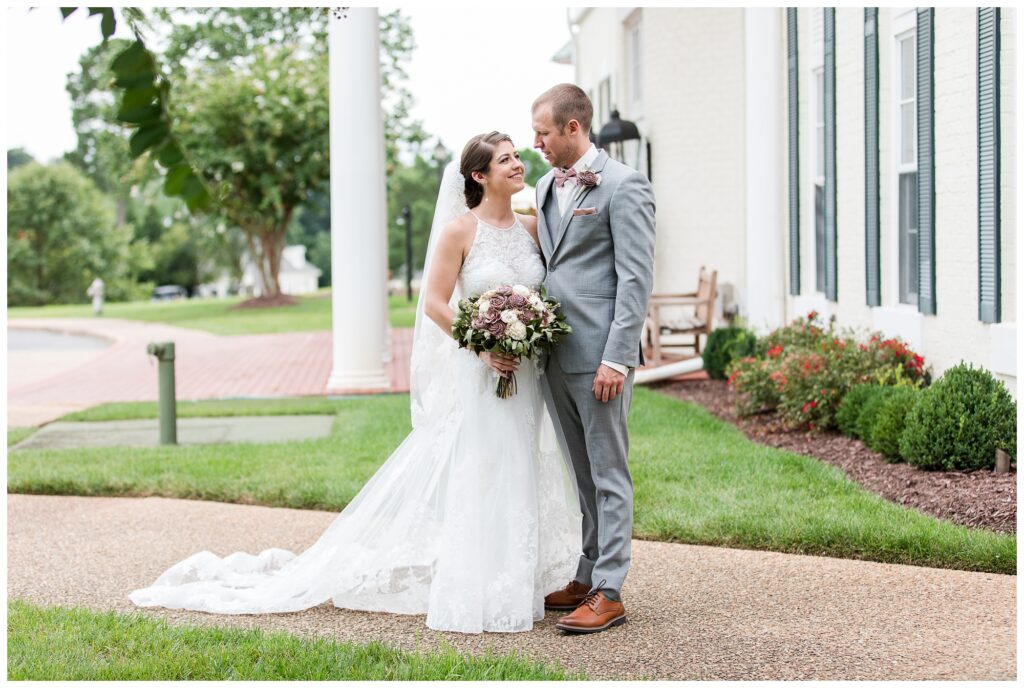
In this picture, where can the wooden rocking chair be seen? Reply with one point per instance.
(664, 321)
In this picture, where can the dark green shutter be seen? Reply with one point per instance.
(794, 153)
(989, 301)
(831, 293)
(872, 255)
(926, 161)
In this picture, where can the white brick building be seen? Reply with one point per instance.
(710, 91)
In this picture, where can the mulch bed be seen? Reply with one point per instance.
(977, 499)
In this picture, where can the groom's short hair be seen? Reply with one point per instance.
(568, 101)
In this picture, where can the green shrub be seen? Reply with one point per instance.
(869, 411)
(959, 422)
(725, 345)
(890, 420)
(851, 406)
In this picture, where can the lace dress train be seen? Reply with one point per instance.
(471, 520)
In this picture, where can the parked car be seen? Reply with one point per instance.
(169, 292)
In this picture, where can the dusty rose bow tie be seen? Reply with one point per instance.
(562, 175)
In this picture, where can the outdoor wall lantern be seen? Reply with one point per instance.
(617, 131)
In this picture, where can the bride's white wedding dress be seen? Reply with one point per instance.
(471, 521)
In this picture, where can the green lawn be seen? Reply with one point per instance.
(57, 644)
(697, 480)
(15, 435)
(313, 313)
(292, 406)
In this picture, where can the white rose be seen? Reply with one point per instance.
(484, 305)
(536, 303)
(509, 316)
(517, 331)
(521, 290)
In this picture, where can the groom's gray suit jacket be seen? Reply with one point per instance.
(600, 266)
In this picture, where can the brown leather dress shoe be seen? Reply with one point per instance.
(568, 598)
(596, 613)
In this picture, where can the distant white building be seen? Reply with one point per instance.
(858, 162)
(296, 275)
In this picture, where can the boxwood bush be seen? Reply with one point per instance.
(890, 421)
(869, 411)
(959, 421)
(725, 345)
(851, 406)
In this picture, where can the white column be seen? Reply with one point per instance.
(765, 168)
(358, 214)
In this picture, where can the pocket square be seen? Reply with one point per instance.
(583, 211)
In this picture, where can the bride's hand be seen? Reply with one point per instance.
(501, 364)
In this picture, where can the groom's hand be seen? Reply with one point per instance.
(608, 384)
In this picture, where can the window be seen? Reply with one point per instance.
(906, 164)
(819, 179)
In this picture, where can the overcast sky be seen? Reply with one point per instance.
(473, 70)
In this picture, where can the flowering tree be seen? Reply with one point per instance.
(258, 133)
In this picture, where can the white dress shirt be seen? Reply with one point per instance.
(564, 194)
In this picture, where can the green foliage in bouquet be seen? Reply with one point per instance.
(960, 421)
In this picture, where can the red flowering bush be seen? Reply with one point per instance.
(893, 354)
(819, 379)
(802, 332)
(758, 382)
(804, 370)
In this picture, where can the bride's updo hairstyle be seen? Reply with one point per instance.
(476, 157)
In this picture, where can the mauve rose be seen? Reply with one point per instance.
(496, 328)
(505, 291)
(499, 303)
(588, 178)
(492, 316)
(478, 323)
(517, 301)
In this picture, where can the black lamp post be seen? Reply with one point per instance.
(617, 131)
(441, 158)
(406, 221)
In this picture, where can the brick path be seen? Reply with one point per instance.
(207, 366)
(45, 385)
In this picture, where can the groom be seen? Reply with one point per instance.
(596, 229)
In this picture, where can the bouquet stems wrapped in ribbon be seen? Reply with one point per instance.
(511, 320)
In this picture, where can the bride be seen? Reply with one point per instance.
(474, 517)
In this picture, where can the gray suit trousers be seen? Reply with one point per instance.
(594, 437)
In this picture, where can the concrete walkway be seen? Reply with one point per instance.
(694, 612)
(208, 366)
(146, 432)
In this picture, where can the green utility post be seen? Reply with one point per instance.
(164, 353)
